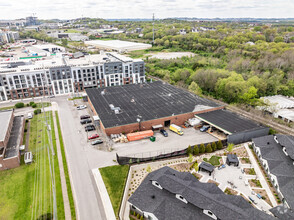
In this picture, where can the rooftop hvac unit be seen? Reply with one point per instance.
(111, 106)
(116, 111)
(102, 93)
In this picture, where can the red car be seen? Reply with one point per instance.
(93, 136)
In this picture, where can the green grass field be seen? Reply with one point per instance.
(72, 31)
(69, 191)
(214, 160)
(114, 178)
(26, 192)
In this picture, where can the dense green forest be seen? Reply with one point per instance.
(234, 63)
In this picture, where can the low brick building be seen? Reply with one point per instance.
(11, 136)
(130, 108)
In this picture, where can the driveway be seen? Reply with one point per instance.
(174, 142)
(82, 158)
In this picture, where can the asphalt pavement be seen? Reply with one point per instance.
(82, 158)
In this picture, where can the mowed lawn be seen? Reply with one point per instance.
(27, 192)
(114, 178)
(214, 160)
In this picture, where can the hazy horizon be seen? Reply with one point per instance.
(132, 9)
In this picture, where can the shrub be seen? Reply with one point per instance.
(34, 105)
(202, 148)
(19, 105)
(219, 145)
(27, 120)
(28, 105)
(189, 150)
(190, 159)
(195, 150)
(213, 146)
(230, 147)
(130, 161)
(31, 103)
(208, 148)
(138, 216)
(25, 130)
(272, 131)
(37, 111)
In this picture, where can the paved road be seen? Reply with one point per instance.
(82, 158)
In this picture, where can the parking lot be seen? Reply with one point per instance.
(174, 142)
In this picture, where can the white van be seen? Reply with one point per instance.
(30, 115)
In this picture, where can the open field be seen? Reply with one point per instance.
(27, 192)
(114, 178)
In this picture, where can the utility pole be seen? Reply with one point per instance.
(153, 30)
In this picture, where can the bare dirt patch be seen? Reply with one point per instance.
(255, 183)
(264, 195)
(182, 167)
(170, 55)
(230, 191)
(197, 175)
(212, 181)
(245, 160)
(250, 171)
(240, 151)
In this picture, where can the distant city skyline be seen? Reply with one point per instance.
(68, 9)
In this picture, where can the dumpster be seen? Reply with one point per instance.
(152, 138)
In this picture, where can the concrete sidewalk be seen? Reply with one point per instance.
(66, 204)
(260, 176)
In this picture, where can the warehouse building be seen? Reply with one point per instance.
(136, 107)
(117, 45)
(237, 128)
(11, 136)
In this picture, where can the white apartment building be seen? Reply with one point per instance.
(8, 36)
(57, 76)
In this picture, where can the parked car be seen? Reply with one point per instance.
(163, 132)
(93, 136)
(30, 115)
(80, 107)
(99, 141)
(86, 121)
(89, 128)
(84, 117)
(204, 128)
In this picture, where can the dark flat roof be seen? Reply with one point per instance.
(228, 121)
(13, 144)
(233, 158)
(147, 101)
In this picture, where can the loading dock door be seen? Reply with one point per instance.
(167, 123)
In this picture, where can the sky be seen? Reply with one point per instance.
(66, 9)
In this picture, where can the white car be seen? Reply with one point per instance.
(30, 116)
(80, 107)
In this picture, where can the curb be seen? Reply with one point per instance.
(104, 195)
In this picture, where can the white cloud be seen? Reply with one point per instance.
(144, 8)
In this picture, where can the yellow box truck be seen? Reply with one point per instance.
(176, 129)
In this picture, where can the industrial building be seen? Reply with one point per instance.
(237, 128)
(117, 45)
(129, 108)
(280, 106)
(61, 75)
(11, 136)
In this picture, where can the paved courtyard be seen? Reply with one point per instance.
(174, 142)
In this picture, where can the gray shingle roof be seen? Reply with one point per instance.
(232, 158)
(287, 142)
(206, 166)
(164, 205)
(279, 164)
(282, 213)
